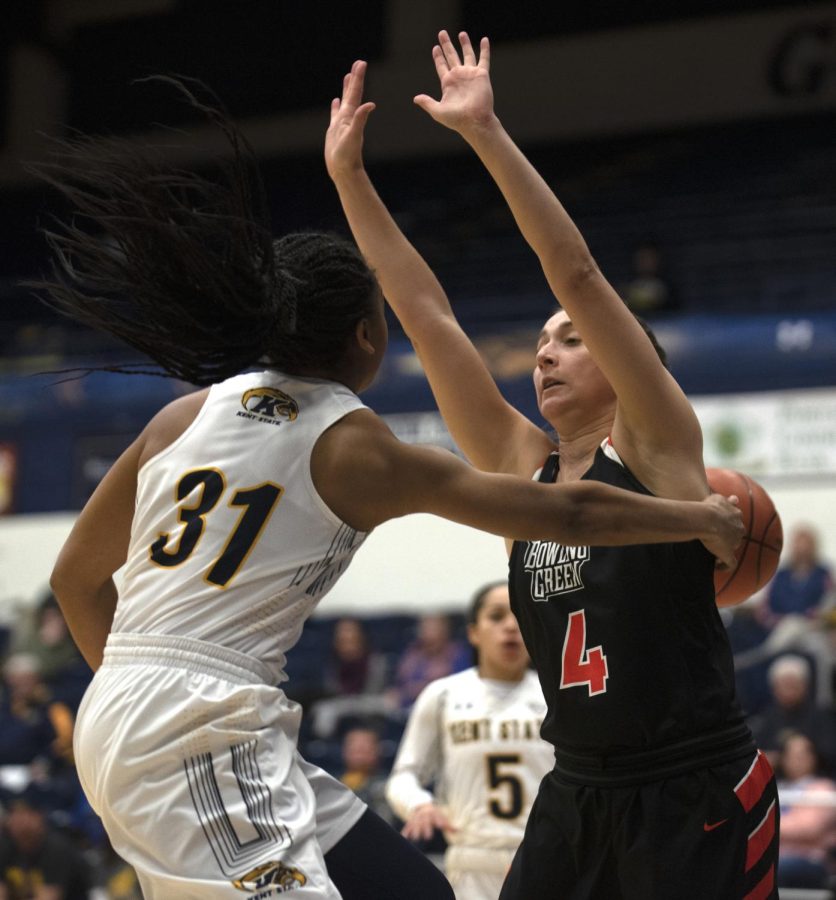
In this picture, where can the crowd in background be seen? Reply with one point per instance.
(357, 696)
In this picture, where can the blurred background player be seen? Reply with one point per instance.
(474, 737)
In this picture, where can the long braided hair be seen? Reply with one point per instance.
(185, 269)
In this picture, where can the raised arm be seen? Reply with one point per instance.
(469, 400)
(655, 429)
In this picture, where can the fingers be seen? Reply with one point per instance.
(335, 108)
(419, 830)
(446, 56)
(441, 66)
(468, 55)
(485, 54)
(449, 51)
(353, 84)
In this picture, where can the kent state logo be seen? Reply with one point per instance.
(272, 875)
(268, 405)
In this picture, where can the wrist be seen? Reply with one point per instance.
(345, 172)
(484, 128)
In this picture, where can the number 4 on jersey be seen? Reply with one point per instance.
(582, 666)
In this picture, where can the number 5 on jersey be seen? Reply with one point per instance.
(581, 666)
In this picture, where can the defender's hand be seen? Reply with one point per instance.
(466, 92)
(344, 138)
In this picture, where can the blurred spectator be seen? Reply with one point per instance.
(48, 639)
(353, 667)
(32, 724)
(353, 682)
(808, 817)
(37, 862)
(801, 586)
(432, 655)
(649, 290)
(791, 612)
(793, 711)
(363, 772)
(36, 736)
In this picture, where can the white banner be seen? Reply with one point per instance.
(776, 434)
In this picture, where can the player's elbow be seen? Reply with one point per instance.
(61, 583)
(70, 583)
(571, 273)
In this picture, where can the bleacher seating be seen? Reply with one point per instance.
(745, 215)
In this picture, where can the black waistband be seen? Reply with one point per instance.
(640, 767)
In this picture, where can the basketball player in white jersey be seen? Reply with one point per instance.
(235, 510)
(475, 735)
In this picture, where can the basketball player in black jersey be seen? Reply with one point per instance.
(658, 791)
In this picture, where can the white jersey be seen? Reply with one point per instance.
(479, 741)
(231, 543)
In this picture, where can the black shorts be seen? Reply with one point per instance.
(711, 834)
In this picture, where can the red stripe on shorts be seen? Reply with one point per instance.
(750, 788)
(761, 837)
(763, 889)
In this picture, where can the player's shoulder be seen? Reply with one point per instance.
(465, 680)
(170, 423)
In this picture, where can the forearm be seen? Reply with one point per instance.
(578, 513)
(404, 793)
(89, 615)
(607, 516)
(540, 216)
(408, 283)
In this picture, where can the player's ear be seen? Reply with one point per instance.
(363, 336)
(471, 635)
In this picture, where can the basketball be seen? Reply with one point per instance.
(758, 553)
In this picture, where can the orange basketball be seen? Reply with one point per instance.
(757, 555)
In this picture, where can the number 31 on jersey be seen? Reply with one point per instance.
(581, 666)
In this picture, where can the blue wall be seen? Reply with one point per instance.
(66, 434)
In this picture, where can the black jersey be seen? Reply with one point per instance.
(632, 655)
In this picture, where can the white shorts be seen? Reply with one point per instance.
(189, 756)
(477, 873)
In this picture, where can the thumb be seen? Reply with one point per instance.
(362, 114)
(426, 103)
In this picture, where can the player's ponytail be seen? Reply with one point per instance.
(185, 270)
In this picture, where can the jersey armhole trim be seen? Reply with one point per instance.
(608, 449)
(353, 404)
(180, 437)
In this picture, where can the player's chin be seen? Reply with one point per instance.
(551, 407)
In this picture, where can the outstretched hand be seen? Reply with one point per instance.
(466, 91)
(344, 138)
